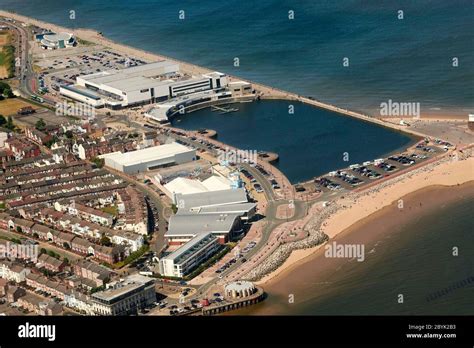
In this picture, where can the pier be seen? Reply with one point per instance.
(255, 298)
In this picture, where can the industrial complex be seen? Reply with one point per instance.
(149, 158)
(138, 85)
(160, 83)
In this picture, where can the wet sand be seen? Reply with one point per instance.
(299, 278)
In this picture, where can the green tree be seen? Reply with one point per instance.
(4, 87)
(53, 254)
(9, 93)
(40, 124)
(99, 162)
(51, 141)
(10, 124)
(3, 120)
(104, 240)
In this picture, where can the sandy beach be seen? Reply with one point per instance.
(314, 279)
(451, 173)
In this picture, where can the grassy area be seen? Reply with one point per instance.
(7, 56)
(112, 209)
(7, 61)
(132, 257)
(11, 106)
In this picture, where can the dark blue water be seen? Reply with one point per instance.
(413, 258)
(310, 142)
(403, 60)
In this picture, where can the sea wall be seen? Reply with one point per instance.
(278, 257)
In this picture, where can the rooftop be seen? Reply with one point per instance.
(209, 199)
(192, 225)
(137, 77)
(121, 288)
(189, 248)
(148, 154)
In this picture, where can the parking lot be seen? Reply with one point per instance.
(63, 70)
(360, 174)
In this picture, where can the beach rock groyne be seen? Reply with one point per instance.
(315, 237)
(315, 224)
(284, 251)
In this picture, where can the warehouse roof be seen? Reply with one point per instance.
(212, 198)
(189, 186)
(149, 154)
(137, 77)
(241, 208)
(192, 225)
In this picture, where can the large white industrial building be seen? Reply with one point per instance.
(143, 84)
(150, 158)
(187, 186)
(204, 222)
(217, 212)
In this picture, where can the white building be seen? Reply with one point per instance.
(187, 186)
(3, 138)
(240, 289)
(138, 85)
(60, 40)
(125, 297)
(163, 111)
(189, 256)
(12, 272)
(239, 88)
(150, 158)
(79, 302)
(121, 237)
(218, 212)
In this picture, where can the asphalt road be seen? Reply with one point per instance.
(25, 72)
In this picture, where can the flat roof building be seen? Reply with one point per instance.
(189, 186)
(217, 212)
(125, 297)
(195, 201)
(142, 84)
(189, 256)
(182, 228)
(150, 158)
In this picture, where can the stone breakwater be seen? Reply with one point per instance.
(278, 257)
(313, 227)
